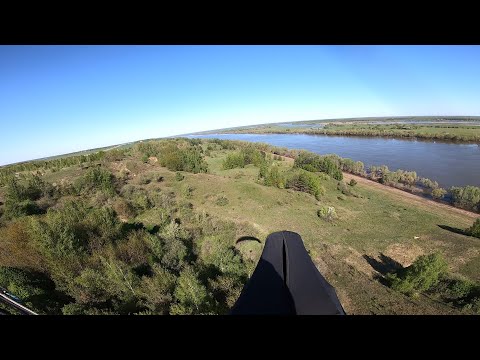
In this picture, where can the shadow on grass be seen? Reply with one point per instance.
(384, 265)
(452, 229)
(247, 238)
(152, 229)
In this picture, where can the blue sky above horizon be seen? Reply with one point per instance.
(61, 99)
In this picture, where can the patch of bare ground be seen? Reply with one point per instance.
(404, 254)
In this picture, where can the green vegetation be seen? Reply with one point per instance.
(327, 213)
(328, 164)
(436, 131)
(467, 197)
(247, 155)
(423, 274)
(474, 230)
(306, 182)
(429, 275)
(125, 236)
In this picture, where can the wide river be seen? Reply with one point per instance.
(450, 164)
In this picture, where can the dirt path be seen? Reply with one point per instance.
(410, 198)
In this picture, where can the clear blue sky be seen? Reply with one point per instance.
(59, 99)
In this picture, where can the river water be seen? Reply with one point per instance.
(450, 164)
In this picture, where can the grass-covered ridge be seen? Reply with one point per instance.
(153, 229)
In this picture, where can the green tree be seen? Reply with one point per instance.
(423, 274)
(191, 296)
(438, 193)
(474, 230)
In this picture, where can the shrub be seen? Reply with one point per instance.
(187, 191)
(263, 170)
(327, 213)
(156, 292)
(306, 182)
(22, 208)
(467, 197)
(461, 290)
(191, 296)
(179, 176)
(275, 178)
(438, 193)
(144, 179)
(474, 230)
(352, 182)
(429, 184)
(32, 288)
(234, 160)
(97, 179)
(424, 273)
(252, 156)
(345, 190)
(222, 201)
(124, 208)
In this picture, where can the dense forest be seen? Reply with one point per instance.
(112, 238)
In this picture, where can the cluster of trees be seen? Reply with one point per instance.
(87, 253)
(176, 155)
(21, 196)
(429, 274)
(402, 178)
(60, 163)
(467, 197)
(329, 164)
(474, 230)
(90, 263)
(247, 155)
(79, 258)
(352, 167)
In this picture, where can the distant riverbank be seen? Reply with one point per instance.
(455, 132)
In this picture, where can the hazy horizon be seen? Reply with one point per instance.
(61, 99)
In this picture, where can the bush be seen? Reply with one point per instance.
(22, 208)
(352, 182)
(97, 179)
(191, 296)
(179, 176)
(124, 208)
(306, 182)
(187, 191)
(438, 193)
(423, 274)
(467, 197)
(222, 201)
(156, 292)
(327, 213)
(312, 162)
(263, 170)
(474, 230)
(274, 178)
(234, 160)
(34, 289)
(252, 156)
(345, 189)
